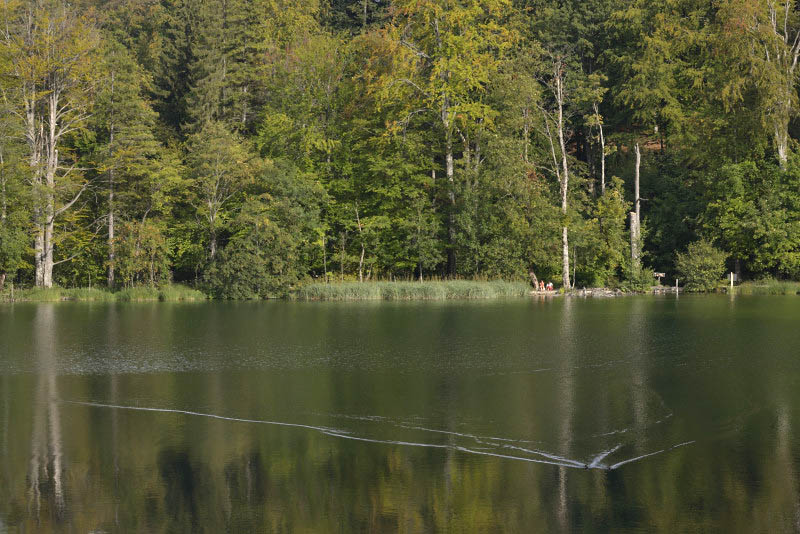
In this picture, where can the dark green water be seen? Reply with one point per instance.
(636, 414)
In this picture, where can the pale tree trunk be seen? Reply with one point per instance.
(361, 265)
(50, 179)
(212, 246)
(602, 152)
(782, 141)
(111, 251)
(635, 216)
(244, 106)
(111, 229)
(34, 134)
(212, 232)
(451, 190)
(638, 200)
(448, 158)
(324, 258)
(3, 209)
(526, 134)
(341, 260)
(559, 90)
(361, 236)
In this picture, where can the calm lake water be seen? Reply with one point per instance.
(636, 414)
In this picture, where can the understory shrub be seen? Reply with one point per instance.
(701, 267)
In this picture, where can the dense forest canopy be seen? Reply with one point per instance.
(247, 145)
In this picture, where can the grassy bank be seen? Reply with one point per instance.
(451, 289)
(168, 293)
(768, 287)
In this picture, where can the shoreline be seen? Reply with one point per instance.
(377, 290)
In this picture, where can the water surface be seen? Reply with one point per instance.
(636, 414)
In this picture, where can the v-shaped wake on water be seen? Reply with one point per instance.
(468, 443)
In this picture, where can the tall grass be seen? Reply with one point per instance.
(54, 294)
(450, 289)
(143, 293)
(137, 294)
(180, 292)
(768, 287)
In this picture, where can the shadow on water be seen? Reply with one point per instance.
(628, 415)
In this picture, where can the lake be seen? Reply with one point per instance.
(637, 414)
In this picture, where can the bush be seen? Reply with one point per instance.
(701, 267)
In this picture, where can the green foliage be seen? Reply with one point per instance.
(754, 215)
(604, 242)
(273, 236)
(247, 146)
(701, 267)
(13, 222)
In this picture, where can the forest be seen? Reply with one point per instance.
(245, 147)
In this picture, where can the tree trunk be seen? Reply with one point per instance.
(324, 258)
(38, 247)
(525, 134)
(212, 235)
(47, 272)
(451, 193)
(341, 261)
(637, 200)
(212, 247)
(635, 243)
(34, 133)
(111, 255)
(361, 265)
(602, 153)
(361, 236)
(51, 168)
(3, 211)
(636, 216)
(559, 81)
(782, 142)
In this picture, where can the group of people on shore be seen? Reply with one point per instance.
(545, 287)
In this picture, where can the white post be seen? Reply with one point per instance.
(731, 282)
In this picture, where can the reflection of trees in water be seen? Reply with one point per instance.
(566, 397)
(176, 473)
(46, 469)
